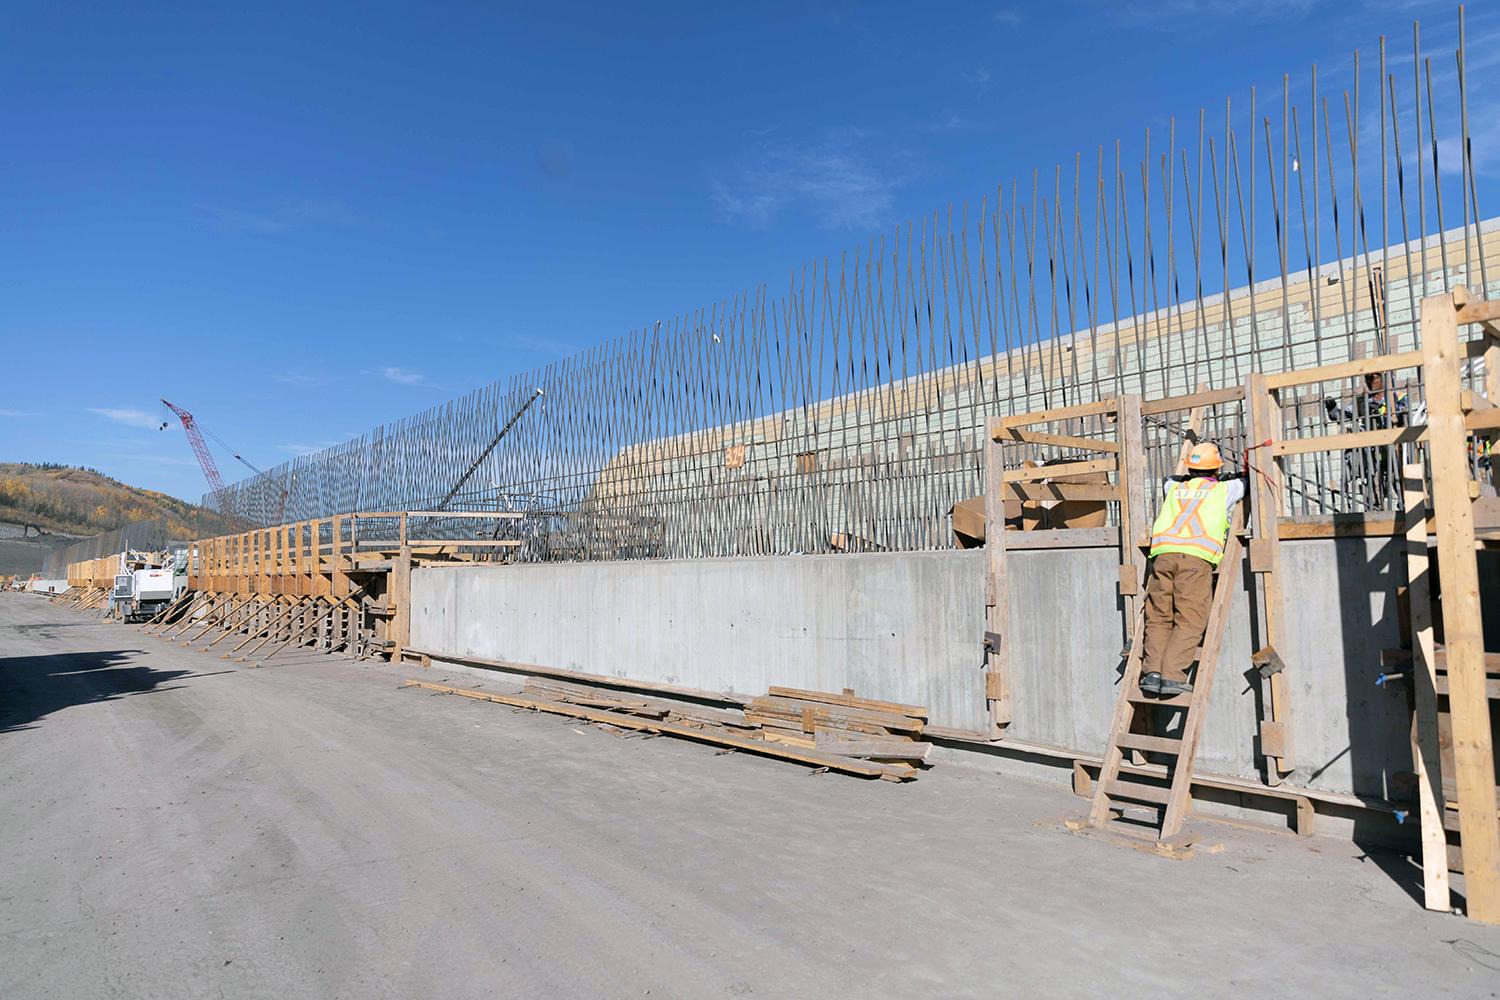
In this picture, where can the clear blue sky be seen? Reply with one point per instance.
(299, 222)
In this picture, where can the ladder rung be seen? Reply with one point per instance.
(1158, 744)
(1176, 701)
(1138, 792)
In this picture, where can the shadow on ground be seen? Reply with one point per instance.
(34, 687)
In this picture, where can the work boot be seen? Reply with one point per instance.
(1151, 683)
(1169, 688)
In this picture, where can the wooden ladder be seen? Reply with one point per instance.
(1114, 792)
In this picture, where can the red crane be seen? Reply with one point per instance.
(205, 458)
(225, 498)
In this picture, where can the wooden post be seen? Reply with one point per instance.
(398, 597)
(240, 558)
(1458, 571)
(996, 591)
(320, 582)
(294, 560)
(340, 579)
(1426, 750)
(1264, 489)
(263, 557)
(1131, 460)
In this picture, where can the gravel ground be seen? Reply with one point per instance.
(175, 826)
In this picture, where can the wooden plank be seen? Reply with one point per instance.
(1473, 753)
(483, 514)
(1151, 744)
(552, 690)
(1346, 369)
(464, 543)
(1058, 471)
(848, 700)
(1057, 440)
(1483, 419)
(1349, 441)
(1196, 400)
(834, 762)
(832, 715)
(997, 424)
(1478, 311)
(1135, 791)
(1438, 658)
(1061, 491)
(1474, 401)
(1273, 738)
(1359, 525)
(833, 741)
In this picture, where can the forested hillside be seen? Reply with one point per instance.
(67, 500)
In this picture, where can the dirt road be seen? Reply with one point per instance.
(177, 827)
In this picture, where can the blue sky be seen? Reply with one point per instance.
(298, 222)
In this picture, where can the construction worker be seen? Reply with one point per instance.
(1187, 542)
(1369, 469)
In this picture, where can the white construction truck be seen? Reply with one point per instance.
(141, 591)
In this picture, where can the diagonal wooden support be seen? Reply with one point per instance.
(215, 619)
(202, 613)
(235, 624)
(156, 625)
(353, 595)
(180, 603)
(269, 628)
(1426, 742)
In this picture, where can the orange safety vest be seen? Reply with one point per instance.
(1194, 520)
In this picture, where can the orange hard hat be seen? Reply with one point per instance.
(1204, 456)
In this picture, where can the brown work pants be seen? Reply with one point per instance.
(1177, 600)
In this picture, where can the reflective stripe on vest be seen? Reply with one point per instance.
(1194, 520)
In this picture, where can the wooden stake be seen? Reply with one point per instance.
(997, 593)
(1426, 753)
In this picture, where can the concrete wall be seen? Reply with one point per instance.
(899, 627)
(907, 627)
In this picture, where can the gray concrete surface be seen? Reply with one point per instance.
(176, 827)
(908, 627)
(905, 626)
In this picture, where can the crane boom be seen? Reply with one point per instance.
(205, 458)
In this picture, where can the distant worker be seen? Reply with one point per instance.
(1187, 542)
(1368, 470)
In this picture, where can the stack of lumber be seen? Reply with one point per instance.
(838, 732)
(840, 723)
(548, 689)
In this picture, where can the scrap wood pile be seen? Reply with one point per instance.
(838, 732)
